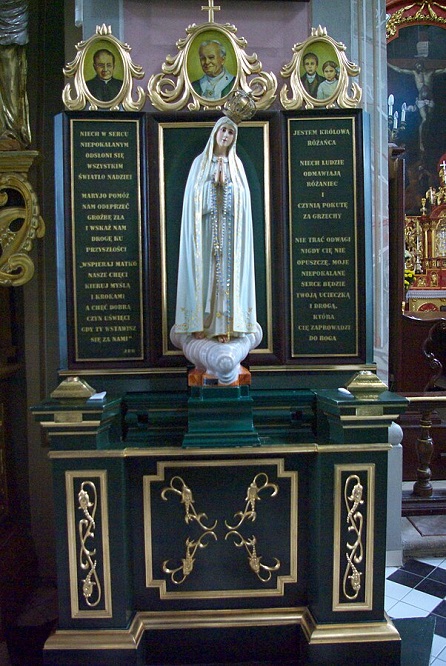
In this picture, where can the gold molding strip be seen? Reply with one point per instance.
(354, 448)
(182, 370)
(86, 556)
(362, 632)
(414, 399)
(136, 452)
(4, 498)
(370, 417)
(129, 639)
(69, 423)
(89, 412)
(348, 602)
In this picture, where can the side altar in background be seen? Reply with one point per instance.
(426, 249)
(242, 522)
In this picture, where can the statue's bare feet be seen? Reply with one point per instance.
(199, 335)
(223, 338)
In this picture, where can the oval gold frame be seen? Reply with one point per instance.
(171, 89)
(82, 95)
(300, 98)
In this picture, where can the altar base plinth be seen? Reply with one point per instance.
(220, 415)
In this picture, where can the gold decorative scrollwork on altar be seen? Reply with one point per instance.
(261, 570)
(88, 544)
(91, 586)
(252, 497)
(319, 74)
(20, 221)
(187, 499)
(251, 551)
(211, 63)
(353, 497)
(103, 74)
(354, 533)
(179, 574)
(177, 486)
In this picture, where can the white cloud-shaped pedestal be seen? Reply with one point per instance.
(219, 359)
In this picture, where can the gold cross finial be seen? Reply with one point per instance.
(211, 9)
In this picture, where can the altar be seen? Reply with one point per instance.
(272, 553)
(425, 240)
(206, 516)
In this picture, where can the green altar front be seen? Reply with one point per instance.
(271, 553)
(199, 524)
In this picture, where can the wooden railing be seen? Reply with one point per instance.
(424, 499)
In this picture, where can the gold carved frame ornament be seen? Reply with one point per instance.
(186, 80)
(20, 220)
(87, 76)
(325, 51)
(421, 12)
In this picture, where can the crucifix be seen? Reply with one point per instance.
(211, 8)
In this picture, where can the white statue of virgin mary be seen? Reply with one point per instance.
(216, 305)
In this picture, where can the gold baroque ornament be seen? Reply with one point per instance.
(211, 63)
(415, 13)
(353, 497)
(263, 571)
(91, 586)
(20, 221)
(179, 574)
(187, 499)
(252, 497)
(319, 75)
(257, 485)
(103, 74)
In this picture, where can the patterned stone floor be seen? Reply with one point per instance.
(418, 589)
